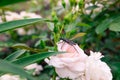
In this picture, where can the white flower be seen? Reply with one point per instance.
(10, 77)
(25, 14)
(97, 69)
(30, 31)
(75, 9)
(0, 19)
(70, 64)
(21, 31)
(86, 6)
(95, 10)
(76, 65)
(35, 66)
(10, 16)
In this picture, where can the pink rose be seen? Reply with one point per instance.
(76, 65)
(97, 69)
(70, 64)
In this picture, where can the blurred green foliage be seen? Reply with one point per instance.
(93, 24)
(8, 2)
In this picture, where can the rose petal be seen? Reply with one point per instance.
(96, 69)
(66, 73)
(64, 46)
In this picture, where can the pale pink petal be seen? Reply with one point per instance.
(64, 46)
(70, 64)
(56, 62)
(95, 66)
(66, 73)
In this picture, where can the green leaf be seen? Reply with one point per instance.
(7, 67)
(112, 23)
(115, 66)
(23, 46)
(5, 44)
(50, 26)
(83, 25)
(18, 23)
(92, 7)
(103, 26)
(77, 35)
(5, 8)
(63, 3)
(8, 2)
(33, 58)
(115, 25)
(15, 55)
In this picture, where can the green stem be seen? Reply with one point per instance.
(3, 16)
(61, 29)
(54, 75)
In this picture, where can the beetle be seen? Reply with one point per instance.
(71, 43)
(68, 41)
